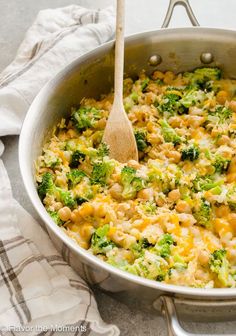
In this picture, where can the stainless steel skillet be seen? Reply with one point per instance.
(179, 49)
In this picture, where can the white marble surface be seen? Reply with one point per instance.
(15, 18)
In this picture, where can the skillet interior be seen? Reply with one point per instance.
(92, 75)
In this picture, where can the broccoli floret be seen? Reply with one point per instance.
(85, 192)
(221, 164)
(149, 266)
(218, 117)
(179, 263)
(192, 97)
(134, 97)
(141, 140)
(75, 176)
(137, 183)
(201, 183)
(66, 197)
(100, 244)
(139, 248)
(128, 172)
(81, 200)
(50, 159)
(219, 264)
(171, 104)
(71, 145)
(85, 117)
(56, 218)
(202, 76)
(149, 207)
(144, 84)
(46, 185)
(101, 172)
(203, 214)
(222, 113)
(190, 153)
(231, 197)
(209, 73)
(103, 150)
(206, 183)
(164, 245)
(169, 133)
(76, 159)
(131, 183)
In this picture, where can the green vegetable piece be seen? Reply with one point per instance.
(216, 190)
(192, 97)
(46, 185)
(206, 183)
(203, 214)
(221, 164)
(231, 197)
(223, 113)
(179, 263)
(201, 77)
(55, 217)
(164, 245)
(219, 264)
(100, 244)
(85, 117)
(66, 198)
(169, 133)
(149, 207)
(131, 183)
(101, 172)
(75, 176)
(208, 73)
(51, 160)
(76, 158)
(103, 150)
(134, 97)
(141, 140)
(144, 84)
(81, 200)
(171, 104)
(190, 153)
(149, 266)
(139, 248)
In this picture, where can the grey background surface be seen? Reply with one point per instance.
(15, 17)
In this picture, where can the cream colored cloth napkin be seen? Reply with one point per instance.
(56, 38)
(40, 294)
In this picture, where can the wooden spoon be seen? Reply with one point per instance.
(119, 134)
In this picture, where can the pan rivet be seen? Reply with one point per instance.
(155, 60)
(206, 58)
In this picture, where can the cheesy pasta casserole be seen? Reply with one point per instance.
(171, 216)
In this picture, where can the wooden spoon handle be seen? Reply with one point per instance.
(119, 50)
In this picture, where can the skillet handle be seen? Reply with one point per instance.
(186, 5)
(173, 325)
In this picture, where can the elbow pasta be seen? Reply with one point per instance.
(170, 217)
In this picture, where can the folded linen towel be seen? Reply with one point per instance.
(56, 38)
(39, 292)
